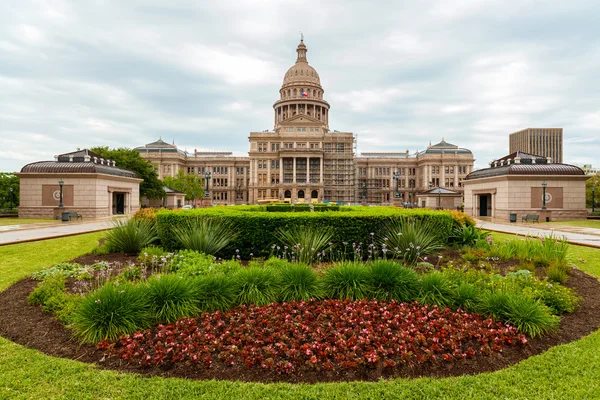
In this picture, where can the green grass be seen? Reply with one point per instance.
(24, 221)
(568, 371)
(583, 223)
(18, 261)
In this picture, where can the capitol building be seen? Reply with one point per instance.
(302, 160)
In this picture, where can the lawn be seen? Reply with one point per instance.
(23, 221)
(568, 371)
(581, 223)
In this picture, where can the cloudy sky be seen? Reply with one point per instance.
(206, 73)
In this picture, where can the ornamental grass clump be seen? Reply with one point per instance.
(204, 235)
(347, 280)
(112, 311)
(391, 280)
(529, 316)
(466, 296)
(305, 243)
(130, 236)
(215, 293)
(299, 282)
(256, 285)
(435, 289)
(171, 297)
(410, 240)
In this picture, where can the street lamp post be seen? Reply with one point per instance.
(396, 178)
(439, 198)
(593, 205)
(544, 184)
(239, 190)
(12, 203)
(60, 185)
(206, 179)
(364, 191)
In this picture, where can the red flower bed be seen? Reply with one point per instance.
(322, 335)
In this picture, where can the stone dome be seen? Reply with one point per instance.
(301, 73)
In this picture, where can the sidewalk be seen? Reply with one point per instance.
(575, 235)
(28, 233)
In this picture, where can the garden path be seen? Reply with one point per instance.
(575, 235)
(12, 234)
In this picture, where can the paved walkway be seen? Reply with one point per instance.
(12, 234)
(575, 235)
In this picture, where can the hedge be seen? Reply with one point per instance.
(257, 228)
(286, 207)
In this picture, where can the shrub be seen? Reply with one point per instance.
(347, 281)
(206, 236)
(460, 219)
(276, 263)
(130, 236)
(256, 285)
(215, 292)
(257, 228)
(64, 269)
(466, 235)
(410, 239)
(147, 214)
(435, 289)
(298, 282)
(557, 272)
(112, 311)
(466, 296)
(171, 297)
(286, 207)
(529, 316)
(51, 287)
(495, 303)
(391, 280)
(305, 242)
(148, 255)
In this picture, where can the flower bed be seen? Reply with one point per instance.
(318, 335)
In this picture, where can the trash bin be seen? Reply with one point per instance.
(65, 216)
(513, 217)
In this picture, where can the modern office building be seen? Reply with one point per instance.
(302, 160)
(545, 142)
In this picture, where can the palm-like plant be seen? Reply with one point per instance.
(205, 235)
(306, 242)
(130, 236)
(410, 239)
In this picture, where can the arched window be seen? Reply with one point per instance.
(308, 92)
(314, 194)
(300, 194)
(287, 194)
(295, 92)
(289, 93)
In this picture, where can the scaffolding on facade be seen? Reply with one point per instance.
(339, 169)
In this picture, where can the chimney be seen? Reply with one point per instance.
(549, 160)
(95, 160)
(71, 158)
(101, 161)
(517, 160)
(55, 157)
(86, 158)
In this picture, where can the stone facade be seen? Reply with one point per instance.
(302, 160)
(91, 189)
(518, 189)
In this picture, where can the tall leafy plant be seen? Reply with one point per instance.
(130, 236)
(410, 240)
(305, 243)
(206, 235)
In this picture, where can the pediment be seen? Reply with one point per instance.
(301, 119)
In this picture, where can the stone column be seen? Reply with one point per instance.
(443, 177)
(455, 177)
(321, 170)
(281, 171)
(294, 171)
(268, 183)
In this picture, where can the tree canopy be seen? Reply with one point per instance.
(594, 182)
(130, 159)
(8, 198)
(190, 184)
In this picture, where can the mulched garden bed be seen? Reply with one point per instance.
(29, 326)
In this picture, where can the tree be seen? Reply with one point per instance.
(9, 198)
(594, 182)
(130, 159)
(190, 184)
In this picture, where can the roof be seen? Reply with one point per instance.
(444, 147)
(159, 146)
(439, 190)
(169, 190)
(526, 169)
(62, 167)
